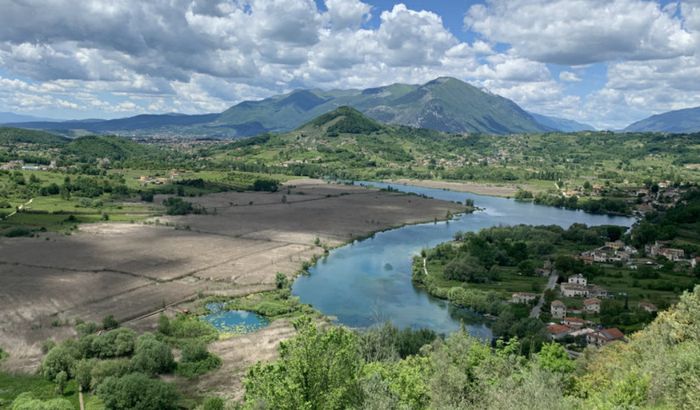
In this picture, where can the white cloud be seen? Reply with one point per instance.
(569, 76)
(574, 32)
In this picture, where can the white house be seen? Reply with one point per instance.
(572, 290)
(578, 279)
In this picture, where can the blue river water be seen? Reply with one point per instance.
(369, 281)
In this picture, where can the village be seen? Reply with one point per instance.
(578, 324)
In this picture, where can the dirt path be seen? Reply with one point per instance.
(551, 283)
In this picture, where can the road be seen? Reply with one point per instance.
(551, 283)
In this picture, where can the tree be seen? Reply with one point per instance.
(281, 280)
(83, 373)
(164, 324)
(317, 369)
(109, 322)
(152, 356)
(61, 358)
(136, 391)
(553, 357)
(61, 380)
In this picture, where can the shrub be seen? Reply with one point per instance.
(152, 356)
(136, 391)
(196, 360)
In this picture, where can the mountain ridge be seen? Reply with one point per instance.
(685, 120)
(443, 104)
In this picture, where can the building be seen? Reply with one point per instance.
(592, 305)
(557, 332)
(596, 291)
(604, 336)
(573, 322)
(558, 309)
(578, 279)
(572, 290)
(523, 297)
(658, 249)
(649, 307)
(617, 245)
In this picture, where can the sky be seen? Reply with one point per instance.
(603, 62)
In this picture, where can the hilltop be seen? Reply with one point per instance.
(678, 121)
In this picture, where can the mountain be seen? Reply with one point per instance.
(444, 104)
(561, 124)
(678, 121)
(10, 117)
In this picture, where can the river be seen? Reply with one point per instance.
(369, 281)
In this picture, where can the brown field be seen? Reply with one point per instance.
(133, 271)
(502, 190)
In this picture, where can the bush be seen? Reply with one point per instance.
(109, 322)
(177, 206)
(196, 360)
(152, 356)
(136, 391)
(115, 343)
(108, 368)
(281, 280)
(27, 401)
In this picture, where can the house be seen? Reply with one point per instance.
(672, 254)
(658, 249)
(649, 307)
(617, 245)
(557, 332)
(572, 290)
(596, 291)
(581, 332)
(523, 297)
(592, 305)
(558, 309)
(578, 279)
(604, 336)
(573, 322)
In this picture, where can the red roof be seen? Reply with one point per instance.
(558, 329)
(612, 333)
(591, 301)
(573, 319)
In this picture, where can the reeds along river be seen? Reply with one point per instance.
(369, 281)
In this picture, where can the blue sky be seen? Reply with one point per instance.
(604, 62)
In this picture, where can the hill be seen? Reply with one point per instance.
(113, 148)
(9, 136)
(444, 104)
(679, 121)
(561, 124)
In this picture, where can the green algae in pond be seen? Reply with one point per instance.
(234, 321)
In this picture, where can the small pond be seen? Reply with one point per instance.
(235, 321)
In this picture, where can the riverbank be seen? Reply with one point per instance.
(499, 190)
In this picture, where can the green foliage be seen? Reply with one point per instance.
(185, 328)
(27, 401)
(109, 322)
(10, 136)
(61, 358)
(213, 403)
(177, 206)
(152, 356)
(137, 391)
(281, 281)
(108, 368)
(263, 184)
(61, 380)
(553, 357)
(196, 360)
(83, 373)
(316, 369)
(114, 343)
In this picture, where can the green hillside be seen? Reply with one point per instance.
(9, 136)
